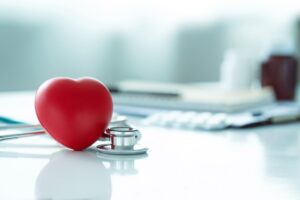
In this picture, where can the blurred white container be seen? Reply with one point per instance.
(237, 71)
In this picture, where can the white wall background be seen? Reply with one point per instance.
(160, 40)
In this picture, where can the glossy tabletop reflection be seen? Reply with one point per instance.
(257, 163)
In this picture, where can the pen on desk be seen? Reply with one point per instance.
(116, 90)
(138, 111)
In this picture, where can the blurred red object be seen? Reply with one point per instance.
(280, 73)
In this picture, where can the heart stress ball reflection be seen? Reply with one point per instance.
(74, 175)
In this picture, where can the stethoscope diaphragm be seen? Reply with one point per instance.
(123, 140)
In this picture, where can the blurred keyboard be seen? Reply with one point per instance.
(277, 113)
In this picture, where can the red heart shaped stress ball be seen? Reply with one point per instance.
(74, 112)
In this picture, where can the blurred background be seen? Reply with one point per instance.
(152, 40)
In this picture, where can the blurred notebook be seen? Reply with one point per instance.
(197, 97)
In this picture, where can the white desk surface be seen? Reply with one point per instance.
(258, 163)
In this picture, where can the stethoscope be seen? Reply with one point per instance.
(123, 141)
(120, 138)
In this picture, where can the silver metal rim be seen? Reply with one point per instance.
(107, 149)
(110, 157)
(121, 131)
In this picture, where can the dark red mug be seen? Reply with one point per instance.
(280, 73)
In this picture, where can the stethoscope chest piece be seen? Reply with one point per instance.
(123, 142)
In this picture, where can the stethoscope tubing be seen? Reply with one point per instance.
(22, 134)
(20, 126)
(35, 129)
